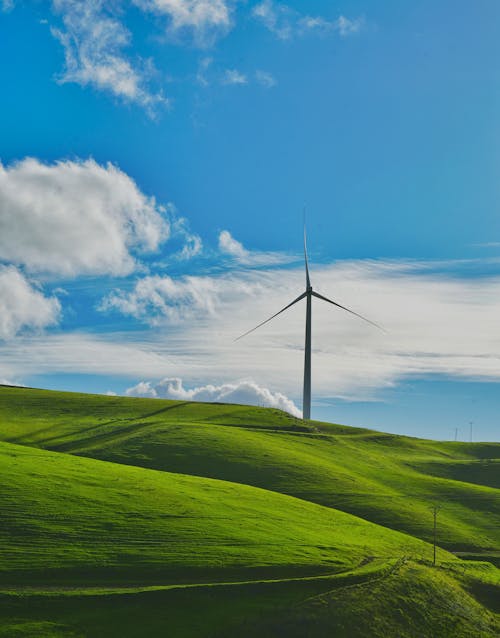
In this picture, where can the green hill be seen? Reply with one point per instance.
(388, 479)
(127, 517)
(107, 522)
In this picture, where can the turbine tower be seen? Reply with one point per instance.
(308, 294)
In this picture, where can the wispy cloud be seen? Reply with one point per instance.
(192, 244)
(285, 22)
(97, 43)
(245, 392)
(157, 298)
(435, 323)
(234, 249)
(264, 78)
(277, 18)
(7, 5)
(347, 27)
(233, 76)
(202, 72)
(204, 20)
(94, 43)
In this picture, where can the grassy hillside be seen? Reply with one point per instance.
(144, 539)
(391, 480)
(403, 600)
(102, 521)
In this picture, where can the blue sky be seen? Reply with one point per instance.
(157, 155)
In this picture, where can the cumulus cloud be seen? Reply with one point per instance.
(241, 392)
(76, 217)
(94, 41)
(22, 306)
(285, 22)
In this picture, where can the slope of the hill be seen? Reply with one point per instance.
(93, 548)
(391, 480)
(71, 519)
(406, 599)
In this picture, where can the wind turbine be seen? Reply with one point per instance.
(308, 295)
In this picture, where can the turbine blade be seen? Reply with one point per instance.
(316, 294)
(278, 313)
(308, 281)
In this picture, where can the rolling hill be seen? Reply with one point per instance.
(388, 479)
(120, 514)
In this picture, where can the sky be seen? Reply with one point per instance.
(156, 157)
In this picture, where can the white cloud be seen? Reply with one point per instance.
(437, 324)
(94, 41)
(233, 76)
(156, 298)
(22, 306)
(277, 18)
(203, 18)
(75, 217)
(11, 383)
(342, 25)
(265, 79)
(231, 247)
(203, 67)
(285, 22)
(347, 27)
(192, 248)
(241, 392)
(7, 5)
(192, 243)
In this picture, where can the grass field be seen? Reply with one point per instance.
(390, 480)
(119, 514)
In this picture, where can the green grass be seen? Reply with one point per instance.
(102, 521)
(388, 479)
(127, 517)
(414, 602)
(408, 599)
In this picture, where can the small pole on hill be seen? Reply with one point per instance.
(435, 509)
(456, 434)
(471, 424)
